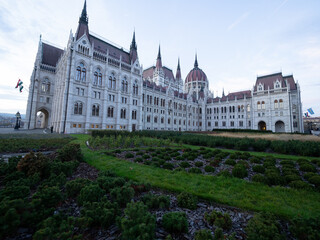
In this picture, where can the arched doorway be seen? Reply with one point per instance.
(42, 118)
(280, 127)
(262, 126)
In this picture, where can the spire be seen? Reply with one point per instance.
(83, 23)
(133, 48)
(196, 62)
(84, 17)
(223, 92)
(159, 62)
(178, 74)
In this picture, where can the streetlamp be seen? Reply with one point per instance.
(18, 116)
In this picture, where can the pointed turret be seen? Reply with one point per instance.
(196, 62)
(223, 93)
(159, 62)
(133, 49)
(178, 74)
(83, 23)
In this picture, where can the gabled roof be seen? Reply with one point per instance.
(50, 54)
(239, 95)
(115, 52)
(154, 86)
(149, 72)
(268, 81)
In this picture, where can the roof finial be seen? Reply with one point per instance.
(223, 92)
(133, 43)
(159, 62)
(84, 17)
(159, 54)
(178, 68)
(178, 74)
(196, 62)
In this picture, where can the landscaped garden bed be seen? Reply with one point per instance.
(300, 174)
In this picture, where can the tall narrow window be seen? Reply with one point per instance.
(134, 114)
(77, 109)
(276, 104)
(280, 103)
(259, 105)
(124, 84)
(263, 105)
(123, 113)
(95, 110)
(97, 78)
(112, 81)
(110, 112)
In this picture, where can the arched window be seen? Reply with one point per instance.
(77, 109)
(45, 86)
(280, 103)
(248, 108)
(242, 108)
(97, 79)
(81, 73)
(110, 112)
(263, 105)
(123, 113)
(221, 109)
(95, 110)
(276, 104)
(134, 114)
(239, 108)
(112, 81)
(135, 87)
(155, 119)
(124, 84)
(169, 120)
(225, 109)
(162, 120)
(259, 105)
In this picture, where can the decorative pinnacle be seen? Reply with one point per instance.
(84, 17)
(196, 62)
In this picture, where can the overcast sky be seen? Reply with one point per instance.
(235, 40)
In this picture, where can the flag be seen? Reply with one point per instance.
(306, 114)
(310, 111)
(21, 87)
(19, 83)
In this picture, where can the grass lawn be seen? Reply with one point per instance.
(286, 203)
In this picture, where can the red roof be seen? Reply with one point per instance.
(149, 72)
(50, 54)
(268, 81)
(196, 74)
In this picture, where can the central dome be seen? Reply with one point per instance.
(196, 74)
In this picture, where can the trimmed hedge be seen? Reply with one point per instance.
(292, 147)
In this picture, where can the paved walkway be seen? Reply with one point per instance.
(24, 131)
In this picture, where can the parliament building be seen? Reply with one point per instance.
(93, 84)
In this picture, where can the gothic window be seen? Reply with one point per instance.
(45, 86)
(259, 105)
(263, 105)
(134, 114)
(277, 84)
(280, 103)
(81, 73)
(95, 110)
(162, 120)
(112, 81)
(123, 113)
(148, 118)
(124, 84)
(155, 119)
(135, 87)
(260, 87)
(242, 108)
(248, 108)
(169, 120)
(110, 112)
(225, 109)
(97, 79)
(77, 109)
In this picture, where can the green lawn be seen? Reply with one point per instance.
(286, 203)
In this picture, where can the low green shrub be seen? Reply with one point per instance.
(100, 214)
(259, 178)
(209, 169)
(179, 158)
(315, 180)
(291, 178)
(218, 219)
(215, 162)
(306, 228)
(54, 180)
(307, 167)
(175, 222)
(129, 155)
(233, 156)
(186, 200)
(33, 163)
(255, 159)
(195, 170)
(258, 169)
(138, 159)
(145, 156)
(316, 162)
(287, 163)
(239, 171)
(264, 227)
(90, 193)
(122, 195)
(198, 164)
(137, 222)
(273, 177)
(225, 173)
(203, 234)
(15, 192)
(184, 164)
(74, 187)
(230, 162)
(218, 234)
(167, 165)
(70, 152)
(155, 202)
(308, 175)
(298, 184)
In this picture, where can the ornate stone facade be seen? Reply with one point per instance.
(92, 84)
